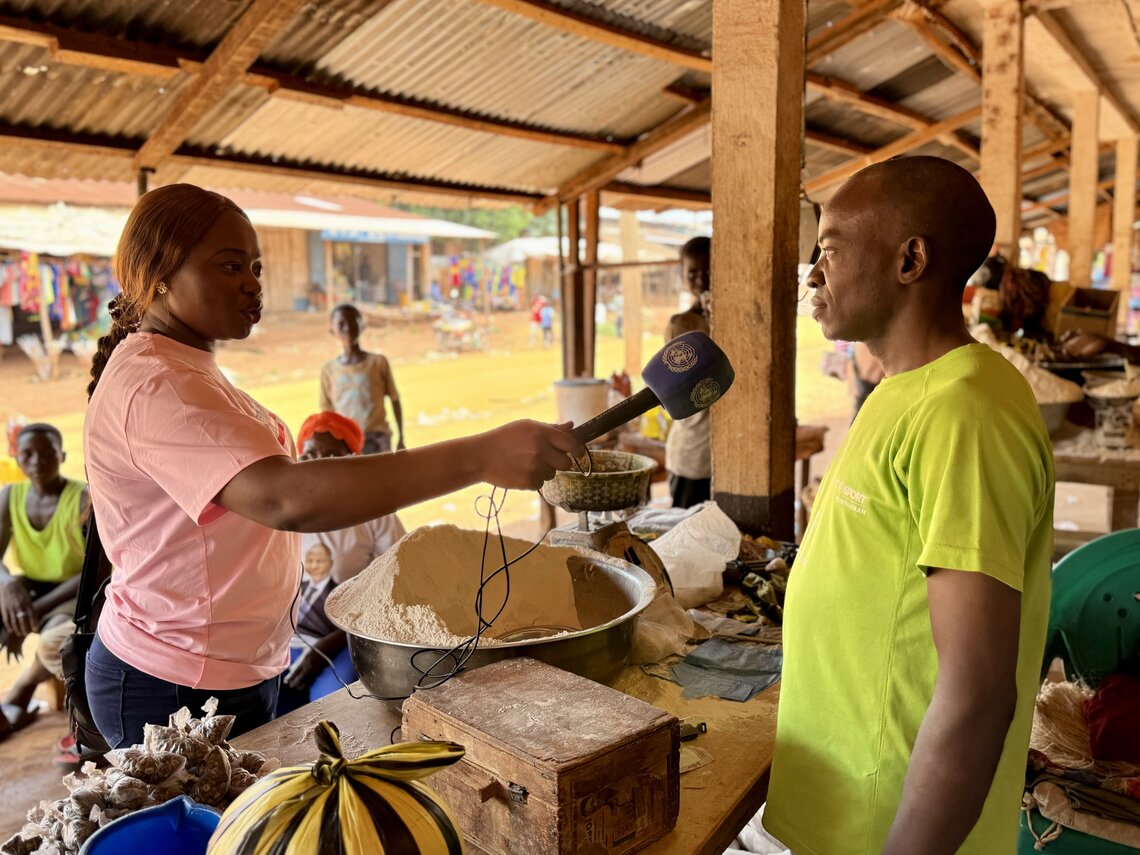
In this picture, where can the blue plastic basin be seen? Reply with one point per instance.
(181, 826)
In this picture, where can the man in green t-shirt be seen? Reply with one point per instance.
(916, 614)
(41, 535)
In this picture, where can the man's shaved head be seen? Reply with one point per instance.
(925, 197)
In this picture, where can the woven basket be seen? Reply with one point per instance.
(618, 480)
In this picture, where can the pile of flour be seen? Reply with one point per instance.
(422, 590)
(1116, 389)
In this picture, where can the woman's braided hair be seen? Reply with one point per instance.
(164, 226)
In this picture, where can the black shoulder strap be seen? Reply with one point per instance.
(96, 570)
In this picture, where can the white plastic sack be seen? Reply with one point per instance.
(662, 630)
(695, 552)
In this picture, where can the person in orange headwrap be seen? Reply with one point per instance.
(330, 558)
(336, 428)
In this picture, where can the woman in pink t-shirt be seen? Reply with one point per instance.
(199, 498)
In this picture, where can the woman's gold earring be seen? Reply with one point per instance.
(162, 289)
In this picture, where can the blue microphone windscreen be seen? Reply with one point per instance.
(689, 374)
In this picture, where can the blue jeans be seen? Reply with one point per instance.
(123, 699)
(325, 684)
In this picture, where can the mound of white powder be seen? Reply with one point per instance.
(1116, 389)
(422, 590)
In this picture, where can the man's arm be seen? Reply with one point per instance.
(16, 610)
(398, 413)
(975, 621)
(57, 596)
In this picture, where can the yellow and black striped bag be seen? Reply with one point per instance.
(373, 804)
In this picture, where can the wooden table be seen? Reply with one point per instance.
(809, 442)
(1076, 459)
(716, 800)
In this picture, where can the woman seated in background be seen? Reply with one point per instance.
(330, 558)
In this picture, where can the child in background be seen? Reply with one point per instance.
(688, 447)
(330, 558)
(41, 534)
(535, 320)
(356, 383)
(546, 321)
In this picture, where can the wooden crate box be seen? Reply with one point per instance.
(556, 764)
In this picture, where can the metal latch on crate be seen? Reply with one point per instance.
(518, 794)
(691, 730)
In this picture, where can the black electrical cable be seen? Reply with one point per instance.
(462, 652)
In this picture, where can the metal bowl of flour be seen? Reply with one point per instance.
(609, 594)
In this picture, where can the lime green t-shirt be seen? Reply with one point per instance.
(55, 552)
(947, 466)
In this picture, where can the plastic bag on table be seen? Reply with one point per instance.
(695, 553)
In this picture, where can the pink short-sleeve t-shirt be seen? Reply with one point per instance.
(200, 596)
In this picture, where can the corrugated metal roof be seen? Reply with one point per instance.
(198, 23)
(210, 177)
(876, 56)
(365, 139)
(317, 29)
(951, 96)
(843, 121)
(685, 23)
(40, 92)
(822, 13)
(466, 54)
(439, 52)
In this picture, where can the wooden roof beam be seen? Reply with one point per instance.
(673, 129)
(1047, 147)
(843, 92)
(289, 86)
(901, 146)
(594, 29)
(73, 47)
(358, 177)
(65, 143)
(660, 193)
(687, 94)
(960, 54)
(834, 143)
(227, 64)
(1064, 40)
(1047, 205)
(1055, 164)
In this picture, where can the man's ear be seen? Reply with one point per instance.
(914, 259)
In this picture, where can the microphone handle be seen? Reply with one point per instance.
(619, 414)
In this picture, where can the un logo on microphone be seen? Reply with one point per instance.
(705, 393)
(679, 356)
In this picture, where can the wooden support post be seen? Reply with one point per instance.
(631, 293)
(1082, 186)
(573, 287)
(1123, 216)
(330, 276)
(756, 184)
(142, 182)
(590, 283)
(1003, 97)
(425, 271)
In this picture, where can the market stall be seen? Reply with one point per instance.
(716, 799)
(55, 279)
